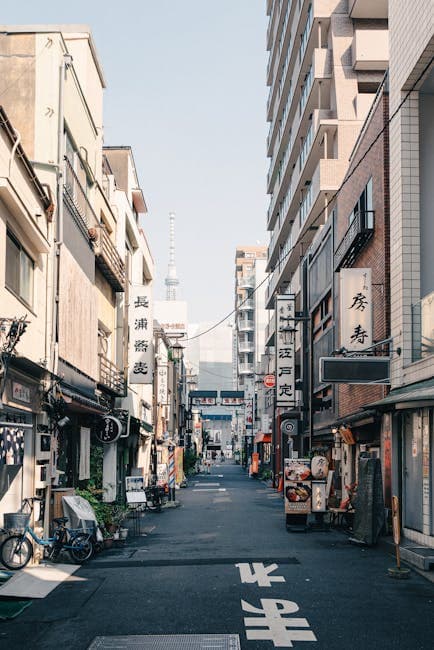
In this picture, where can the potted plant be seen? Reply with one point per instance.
(119, 514)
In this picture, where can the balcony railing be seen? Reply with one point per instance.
(423, 328)
(246, 282)
(76, 200)
(359, 232)
(246, 305)
(246, 346)
(110, 376)
(246, 369)
(109, 260)
(245, 325)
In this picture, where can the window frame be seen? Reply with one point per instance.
(26, 263)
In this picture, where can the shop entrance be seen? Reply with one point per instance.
(412, 471)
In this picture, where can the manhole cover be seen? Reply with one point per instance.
(169, 642)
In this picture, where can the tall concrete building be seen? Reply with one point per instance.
(249, 334)
(325, 65)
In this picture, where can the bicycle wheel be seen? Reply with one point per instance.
(15, 552)
(81, 548)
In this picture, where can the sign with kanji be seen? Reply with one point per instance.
(356, 309)
(162, 392)
(141, 335)
(285, 350)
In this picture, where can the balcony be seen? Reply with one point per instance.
(110, 377)
(370, 49)
(246, 305)
(75, 199)
(369, 9)
(246, 347)
(358, 234)
(245, 325)
(422, 314)
(109, 260)
(245, 369)
(246, 282)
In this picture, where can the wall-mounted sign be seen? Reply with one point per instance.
(141, 335)
(285, 350)
(108, 429)
(356, 309)
(21, 392)
(162, 392)
(269, 381)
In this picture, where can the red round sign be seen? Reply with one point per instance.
(269, 381)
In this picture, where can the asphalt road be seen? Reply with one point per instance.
(206, 568)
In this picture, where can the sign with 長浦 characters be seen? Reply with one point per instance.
(141, 335)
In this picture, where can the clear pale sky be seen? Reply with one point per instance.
(186, 89)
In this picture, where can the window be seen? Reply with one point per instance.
(19, 270)
(364, 206)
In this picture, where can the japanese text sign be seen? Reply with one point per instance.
(141, 335)
(356, 309)
(285, 350)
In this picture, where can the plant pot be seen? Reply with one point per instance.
(108, 542)
(116, 535)
(123, 533)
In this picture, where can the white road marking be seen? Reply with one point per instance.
(209, 489)
(222, 500)
(274, 624)
(260, 574)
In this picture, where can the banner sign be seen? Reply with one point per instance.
(162, 393)
(356, 309)
(232, 401)
(179, 464)
(285, 350)
(249, 403)
(141, 351)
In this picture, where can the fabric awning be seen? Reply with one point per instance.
(262, 437)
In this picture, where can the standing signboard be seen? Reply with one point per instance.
(285, 350)
(141, 350)
(297, 486)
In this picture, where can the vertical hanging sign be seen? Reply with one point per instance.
(141, 335)
(285, 350)
(356, 309)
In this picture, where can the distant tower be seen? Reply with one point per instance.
(171, 280)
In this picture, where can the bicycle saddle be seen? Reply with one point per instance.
(60, 520)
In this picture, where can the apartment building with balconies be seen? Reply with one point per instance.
(324, 68)
(326, 63)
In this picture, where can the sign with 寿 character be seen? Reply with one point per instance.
(356, 309)
(141, 335)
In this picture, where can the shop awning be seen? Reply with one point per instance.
(78, 402)
(262, 437)
(411, 396)
(146, 427)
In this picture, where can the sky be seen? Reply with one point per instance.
(186, 90)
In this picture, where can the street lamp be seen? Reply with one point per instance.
(177, 352)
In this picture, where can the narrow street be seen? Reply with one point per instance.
(182, 578)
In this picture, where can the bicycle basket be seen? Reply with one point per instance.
(16, 520)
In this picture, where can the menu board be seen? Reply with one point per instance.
(298, 486)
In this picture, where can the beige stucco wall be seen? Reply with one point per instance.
(78, 319)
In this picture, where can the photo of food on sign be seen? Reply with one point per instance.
(300, 492)
(297, 470)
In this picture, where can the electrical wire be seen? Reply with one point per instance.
(335, 195)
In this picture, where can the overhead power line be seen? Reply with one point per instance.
(335, 195)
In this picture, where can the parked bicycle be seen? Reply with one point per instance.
(17, 549)
(155, 498)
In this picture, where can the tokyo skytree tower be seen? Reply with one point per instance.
(171, 279)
